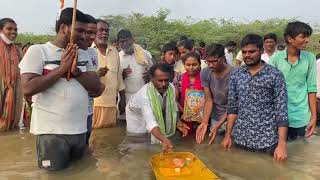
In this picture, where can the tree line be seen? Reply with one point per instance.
(158, 29)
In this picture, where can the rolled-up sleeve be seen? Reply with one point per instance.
(233, 94)
(280, 101)
(33, 61)
(312, 75)
(205, 77)
(148, 117)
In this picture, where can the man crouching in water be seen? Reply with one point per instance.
(153, 109)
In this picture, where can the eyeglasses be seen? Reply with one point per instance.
(213, 60)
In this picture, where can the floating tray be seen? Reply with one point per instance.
(164, 169)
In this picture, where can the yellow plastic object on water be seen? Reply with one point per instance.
(194, 169)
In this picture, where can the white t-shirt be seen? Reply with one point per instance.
(134, 81)
(265, 56)
(93, 57)
(62, 108)
(139, 115)
(229, 56)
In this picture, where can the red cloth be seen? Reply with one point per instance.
(9, 61)
(185, 84)
(61, 4)
(47, 71)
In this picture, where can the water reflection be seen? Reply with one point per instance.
(113, 156)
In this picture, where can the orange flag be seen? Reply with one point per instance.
(61, 4)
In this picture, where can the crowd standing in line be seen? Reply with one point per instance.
(263, 99)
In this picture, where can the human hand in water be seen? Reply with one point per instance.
(214, 131)
(280, 153)
(213, 134)
(201, 132)
(166, 146)
(311, 127)
(226, 142)
(183, 128)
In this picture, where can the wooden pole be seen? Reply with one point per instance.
(75, 4)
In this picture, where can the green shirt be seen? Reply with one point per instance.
(300, 79)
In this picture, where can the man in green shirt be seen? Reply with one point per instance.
(299, 69)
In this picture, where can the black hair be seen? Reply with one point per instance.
(252, 39)
(114, 41)
(91, 19)
(186, 44)
(215, 50)
(231, 43)
(193, 55)
(18, 44)
(202, 44)
(124, 33)
(183, 37)
(197, 50)
(281, 46)
(27, 44)
(270, 36)
(102, 21)
(318, 56)
(192, 41)
(4, 21)
(295, 28)
(171, 46)
(161, 66)
(66, 18)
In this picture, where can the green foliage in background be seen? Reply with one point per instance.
(34, 39)
(157, 30)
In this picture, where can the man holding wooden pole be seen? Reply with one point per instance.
(60, 107)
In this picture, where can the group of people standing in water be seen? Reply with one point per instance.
(260, 100)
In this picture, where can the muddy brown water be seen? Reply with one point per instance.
(112, 156)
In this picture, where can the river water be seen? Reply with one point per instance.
(110, 158)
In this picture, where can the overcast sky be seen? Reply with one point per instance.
(38, 16)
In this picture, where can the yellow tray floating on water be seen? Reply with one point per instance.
(194, 169)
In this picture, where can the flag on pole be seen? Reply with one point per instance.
(61, 4)
(61, 7)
